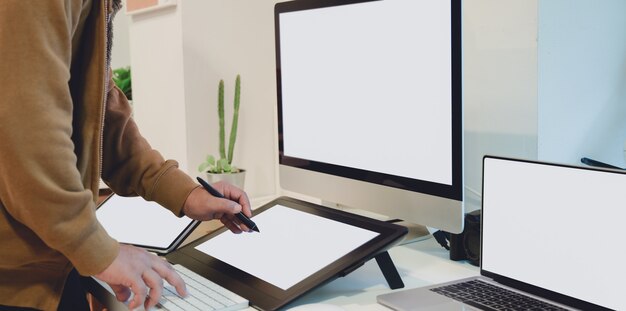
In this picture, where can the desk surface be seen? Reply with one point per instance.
(419, 264)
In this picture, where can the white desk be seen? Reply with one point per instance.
(419, 264)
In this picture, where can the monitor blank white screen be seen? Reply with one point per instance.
(368, 86)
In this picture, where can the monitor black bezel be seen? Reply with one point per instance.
(453, 191)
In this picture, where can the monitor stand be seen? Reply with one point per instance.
(416, 232)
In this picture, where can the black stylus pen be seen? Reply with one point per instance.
(247, 221)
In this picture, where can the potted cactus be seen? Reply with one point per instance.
(223, 168)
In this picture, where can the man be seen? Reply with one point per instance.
(63, 126)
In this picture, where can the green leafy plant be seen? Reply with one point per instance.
(121, 77)
(224, 163)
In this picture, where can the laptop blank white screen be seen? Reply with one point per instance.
(556, 227)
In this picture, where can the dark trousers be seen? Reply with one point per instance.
(74, 297)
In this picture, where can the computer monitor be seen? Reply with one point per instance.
(369, 106)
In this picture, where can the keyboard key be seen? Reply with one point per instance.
(487, 296)
(204, 295)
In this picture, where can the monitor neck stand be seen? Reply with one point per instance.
(416, 232)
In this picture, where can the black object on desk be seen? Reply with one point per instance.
(592, 162)
(249, 223)
(296, 231)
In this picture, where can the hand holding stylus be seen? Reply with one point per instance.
(243, 218)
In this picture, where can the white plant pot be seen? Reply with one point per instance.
(238, 179)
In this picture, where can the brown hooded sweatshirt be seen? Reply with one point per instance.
(63, 125)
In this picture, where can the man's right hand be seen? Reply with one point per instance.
(143, 273)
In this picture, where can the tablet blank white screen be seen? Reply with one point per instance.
(291, 246)
(133, 220)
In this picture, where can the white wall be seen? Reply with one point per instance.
(178, 56)
(158, 81)
(223, 38)
(120, 54)
(516, 80)
(499, 85)
(582, 80)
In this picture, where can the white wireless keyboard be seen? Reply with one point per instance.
(203, 295)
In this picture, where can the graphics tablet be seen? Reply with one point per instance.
(146, 224)
(300, 246)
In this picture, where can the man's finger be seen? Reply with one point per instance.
(234, 228)
(122, 293)
(245, 204)
(238, 195)
(242, 226)
(166, 271)
(230, 207)
(155, 284)
(140, 292)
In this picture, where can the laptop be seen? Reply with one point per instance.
(551, 232)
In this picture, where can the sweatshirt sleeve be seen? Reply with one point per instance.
(132, 167)
(40, 185)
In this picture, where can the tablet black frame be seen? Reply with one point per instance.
(266, 296)
(161, 251)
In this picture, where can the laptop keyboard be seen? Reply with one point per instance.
(488, 297)
(203, 294)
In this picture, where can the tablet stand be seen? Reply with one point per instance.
(387, 267)
(389, 270)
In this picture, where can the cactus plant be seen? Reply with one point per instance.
(224, 164)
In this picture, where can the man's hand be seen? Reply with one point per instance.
(138, 271)
(201, 205)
